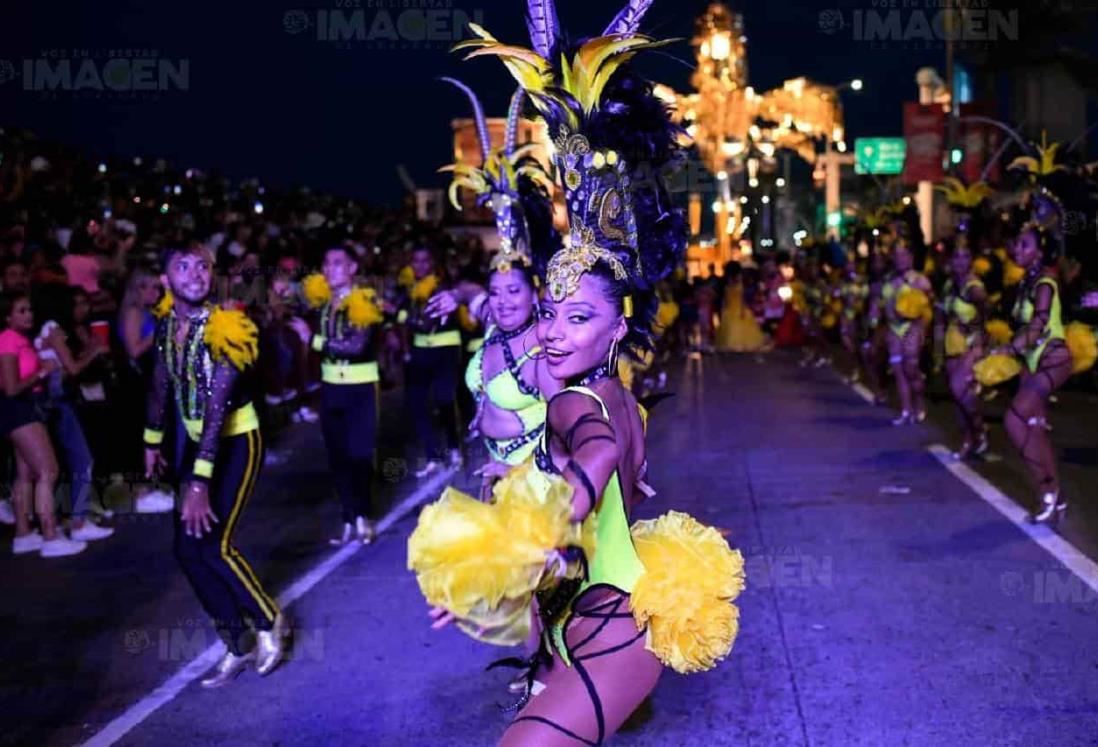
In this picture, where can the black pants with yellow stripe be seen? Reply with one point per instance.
(225, 583)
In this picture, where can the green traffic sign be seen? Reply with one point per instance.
(879, 155)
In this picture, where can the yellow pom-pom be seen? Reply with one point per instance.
(483, 561)
(685, 595)
(995, 369)
(362, 310)
(406, 278)
(316, 290)
(1084, 349)
(981, 266)
(164, 305)
(232, 336)
(828, 320)
(424, 288)
(1012, 273)
(912, 303)
(955, 343)
(998, 331)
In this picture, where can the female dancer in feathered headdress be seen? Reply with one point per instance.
(618, 603)
(508, 377)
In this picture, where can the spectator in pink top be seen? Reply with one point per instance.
(21, 373)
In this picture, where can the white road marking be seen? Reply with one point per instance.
(198, 666)
(863, 391)
(1055, 545)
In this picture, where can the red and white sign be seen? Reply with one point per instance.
(924, 130)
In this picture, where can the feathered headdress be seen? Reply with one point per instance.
(498, 181)
(965, 201)
(604, 121)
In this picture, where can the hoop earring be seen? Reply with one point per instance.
(612, 358)
(540, 354)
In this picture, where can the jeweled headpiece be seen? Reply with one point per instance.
(496, 181)
(569, 95)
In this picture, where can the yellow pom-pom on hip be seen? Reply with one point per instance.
(686, 593)
(232, 337)
(998, 331)
(995, 369)
(1084, 349)
(316, 290)
(955, 342)
(912, 303)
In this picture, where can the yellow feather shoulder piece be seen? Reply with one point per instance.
(362, 308)
(232, 336)
(424, 288)
(406, 278)
(686, 594)
(995, 369)
(316, 290)
(164, 305)
(1084, 349)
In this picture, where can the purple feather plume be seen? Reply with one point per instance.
(514, 114)
(478, 117)
(541, 21)
(627, 21)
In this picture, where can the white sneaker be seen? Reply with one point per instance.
(61, 546)
(90, 532)
(307, 414)
(7, 514)
(365, 530)
(348, 533)
(156, 502)
(27, 543)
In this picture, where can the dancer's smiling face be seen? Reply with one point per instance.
(576, 333)
(510, 298)
(189, 274)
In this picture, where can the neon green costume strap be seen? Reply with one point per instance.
(615, 562)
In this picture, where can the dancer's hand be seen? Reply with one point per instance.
(493, 470)
(198, 517)
(441, 304)
(441, 618)
(154, 463)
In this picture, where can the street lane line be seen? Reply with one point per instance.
(1056, 546)
(198, 666)
(863, 391)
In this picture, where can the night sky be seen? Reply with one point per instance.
(291, 109)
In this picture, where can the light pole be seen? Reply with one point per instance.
(833, 167)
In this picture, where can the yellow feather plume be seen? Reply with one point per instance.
(164, 305)
(1044, 164)
(686, 594)
(316, 290)
(998, 331)
(958, 194)
(424, 288)
(362, 308)
(1084, 349)
(232, 337)
(995, 369)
